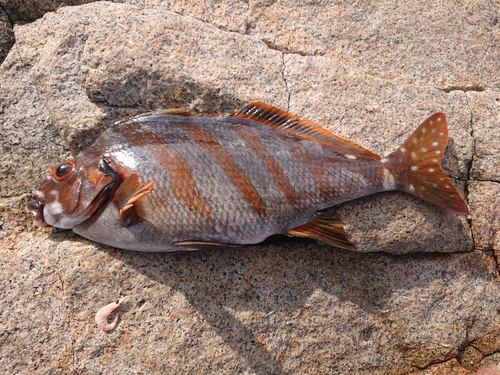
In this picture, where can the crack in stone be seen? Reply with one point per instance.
(485, 180)
(475, 347)
(393, 80)
(469, 167)
(219, 27)
(475, 88)
(458, 356)
(286, 50)
(474, 343)
(282, 49)
(286, 82)
(495, 258)
(436, 363)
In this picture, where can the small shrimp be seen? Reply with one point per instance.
(105, 313)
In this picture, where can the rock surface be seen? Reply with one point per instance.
(425, 301)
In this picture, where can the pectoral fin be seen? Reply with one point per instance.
(327, 227)
(128, 195)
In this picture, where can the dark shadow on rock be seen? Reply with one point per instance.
(134, 96)
(148, 90)
(411, 224)
(21, 12)
(6, 34)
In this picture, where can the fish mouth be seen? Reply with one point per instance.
(36, 206)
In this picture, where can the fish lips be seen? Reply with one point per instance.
(36, 206)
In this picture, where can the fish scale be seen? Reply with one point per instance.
(172, 180)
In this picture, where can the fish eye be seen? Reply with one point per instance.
(64, 170)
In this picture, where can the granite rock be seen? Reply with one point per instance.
(29, 142)
(450, 46)
(426, 300)
(485, 107)
(484, 199)
(234, 16)
(269, 309)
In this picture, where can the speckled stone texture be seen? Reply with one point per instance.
(419, 296)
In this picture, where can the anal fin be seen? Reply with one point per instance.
(201, 245)
(327, 227)
(128, 195)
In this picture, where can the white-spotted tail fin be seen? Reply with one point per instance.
(417, 166)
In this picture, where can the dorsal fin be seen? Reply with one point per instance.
(277, 118)
(169, 111)
(176, 111)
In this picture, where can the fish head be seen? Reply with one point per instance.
(73, 193)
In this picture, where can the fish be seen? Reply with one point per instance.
(175, 180)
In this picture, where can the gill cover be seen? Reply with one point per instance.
(75, 192)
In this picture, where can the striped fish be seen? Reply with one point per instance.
(173, 180)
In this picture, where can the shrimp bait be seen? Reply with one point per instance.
(103, 316)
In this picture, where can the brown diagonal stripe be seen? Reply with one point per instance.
(211, 146)
(312, 163)
(261, 153)
(179, 170)
(182, 178)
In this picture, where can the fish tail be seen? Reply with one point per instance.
(417, 170)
